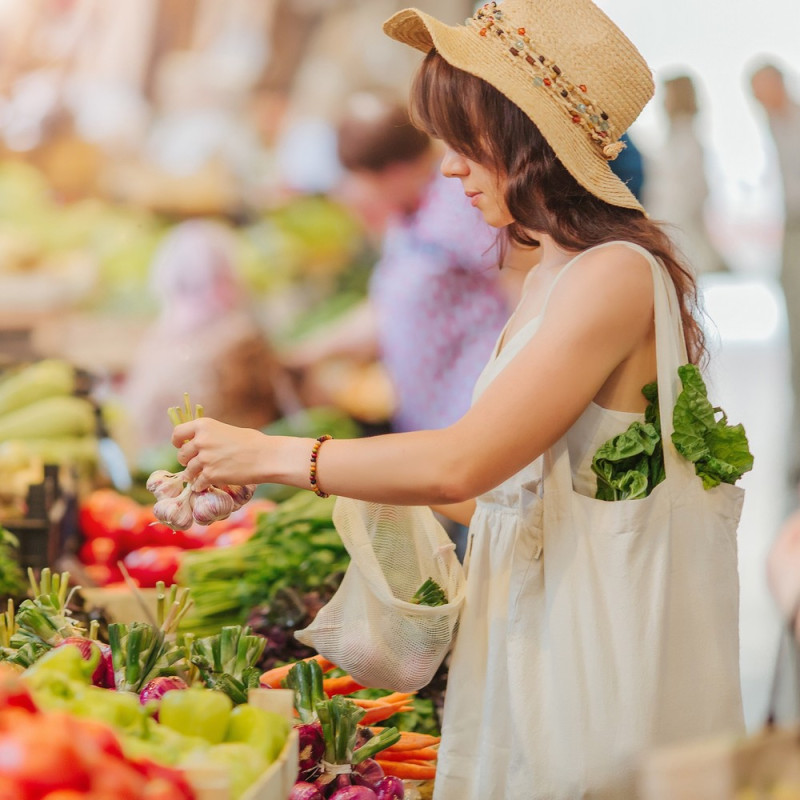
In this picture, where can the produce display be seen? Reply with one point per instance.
(42, 420)
(295, 546)
(53, 755)
(176, 702)
(115, 528)
(343, 755)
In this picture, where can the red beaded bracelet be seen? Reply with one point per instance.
(312, 475)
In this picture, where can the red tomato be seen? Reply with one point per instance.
(118, 778)
(105, 512)
(104, 574)
(100, 550)
(12, 693)
(11, 790)
(234, 536)
(149, 565)
(37, 751)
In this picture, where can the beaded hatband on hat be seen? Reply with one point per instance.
(563, 62)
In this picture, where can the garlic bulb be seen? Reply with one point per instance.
(165, 484)
(240, 494)
(211, 505)
(175, 512)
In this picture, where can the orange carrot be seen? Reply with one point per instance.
(382, 712)
(343, 685)
(411, 740)
(362, 702)
(408, 771)
(423, 754)
(275, 676)
(396, 697)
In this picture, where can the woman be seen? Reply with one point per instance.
(572, 656)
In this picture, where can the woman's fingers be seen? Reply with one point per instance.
(183, 433)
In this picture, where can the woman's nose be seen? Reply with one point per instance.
(453, 165)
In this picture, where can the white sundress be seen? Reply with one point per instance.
(495, 737)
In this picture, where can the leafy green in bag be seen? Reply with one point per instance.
(720, 452)
(631, 464)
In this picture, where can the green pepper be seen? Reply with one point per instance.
(197, 712)
(243, 761)
(67, 662)
(264, 730)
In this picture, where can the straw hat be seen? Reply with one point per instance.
(563, 62)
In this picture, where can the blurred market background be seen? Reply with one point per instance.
(122, 123)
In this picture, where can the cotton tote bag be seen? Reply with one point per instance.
(641, 628)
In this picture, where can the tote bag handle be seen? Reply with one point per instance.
(670, 354)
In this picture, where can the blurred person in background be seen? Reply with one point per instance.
(678, 190)
(437, 301)
(206, 340)
(783, 117)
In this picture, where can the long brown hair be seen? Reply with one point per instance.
(477, 121)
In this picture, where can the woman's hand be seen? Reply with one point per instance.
(216, 453)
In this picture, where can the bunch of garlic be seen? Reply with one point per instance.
(179, 506)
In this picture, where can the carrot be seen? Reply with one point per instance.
(275, 676)
(408, 771)
(343, 685)
(411, 740)
(382, 712)
(396, 697)
(423, 754)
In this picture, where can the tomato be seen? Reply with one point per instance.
(37, 751)
(149, 565)
(100, 550)
(104, 574)
(234, 536)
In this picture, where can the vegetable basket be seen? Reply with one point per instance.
(212, 782)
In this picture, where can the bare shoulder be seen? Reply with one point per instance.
(613, 279)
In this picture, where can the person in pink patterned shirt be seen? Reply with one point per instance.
(437, 299)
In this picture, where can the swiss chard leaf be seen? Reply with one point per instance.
(719, 451)
(622, 464)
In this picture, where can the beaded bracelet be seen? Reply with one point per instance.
(312, 474)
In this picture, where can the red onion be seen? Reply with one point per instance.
(354, 793)
(390, 788)
(305, 791)
(103, 674)
(158, 687)
(367, 773)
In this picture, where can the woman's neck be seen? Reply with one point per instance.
(553, 256)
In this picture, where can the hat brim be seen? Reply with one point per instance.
(455, 44)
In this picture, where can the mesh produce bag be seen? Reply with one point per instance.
(370, 627)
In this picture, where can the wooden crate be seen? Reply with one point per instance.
(725, 768)
(213, 782)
